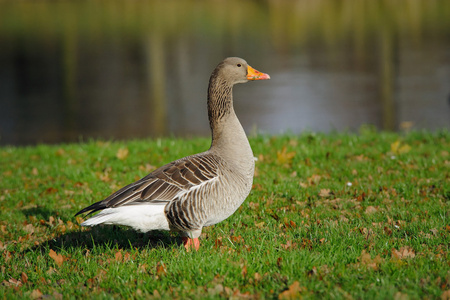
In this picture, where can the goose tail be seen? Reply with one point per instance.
(141, 217)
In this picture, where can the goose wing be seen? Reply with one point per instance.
(164, 184)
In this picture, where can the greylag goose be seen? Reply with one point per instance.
(198, 190)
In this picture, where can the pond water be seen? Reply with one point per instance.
(72, 70)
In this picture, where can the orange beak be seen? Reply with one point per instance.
(253, 74)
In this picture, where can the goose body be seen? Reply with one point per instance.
(198, 190)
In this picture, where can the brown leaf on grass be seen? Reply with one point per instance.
(244, 271)
(307, 244)
(122, 153)
(218, 242)
(312, 272)
(284, 157)
(289, 245)
(103, 176)
(90, 282)
(237, 294)
(401, 296)
(147, 168)
(404, 252)
(12, 283)
(303, 185)
(366, 260)
(343, 218)
(35, 294)
(58, 258)
(127, 256)
(50, 271)
(142, 268)
(387, 230)
(445, 295)
(35, 171)
(79, 219)
(237, 239)
(60, 152)
(50, 190)
(314, 179)
(24, 277)
(51, 221)
(57, 295)
(161, 269)
(216, 290)
(156, 294)
(366, 232)
(398, 148)
(360, 157)
(7, 173)
(118, 256)
(325, 193)
(259, 225)
(29, 228)
(279, 261)
(293, 292)
(254, 205)
(371, 210)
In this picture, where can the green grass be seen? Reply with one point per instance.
(330, 216)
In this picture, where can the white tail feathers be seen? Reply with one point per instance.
(143, 217)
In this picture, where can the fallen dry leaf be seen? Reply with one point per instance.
(292, 293)
(314, 179)
(217, 290)
(118, 256)
(284, 157)
(244, 271)
(371, 210)
(445, 295)
(12, 282)
(387, 230)
(36, 294)
(58, 258)
(24, 277)
(35, 171)
(366, 260)
(404, 252)
(161, 269)
(325, 193)
(398, 148)
(279, 261)
(122, 153)
(401, 296)
(289, 245)
(259, 225)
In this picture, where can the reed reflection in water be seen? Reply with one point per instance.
(127, 69)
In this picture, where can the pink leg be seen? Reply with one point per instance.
(188, 243)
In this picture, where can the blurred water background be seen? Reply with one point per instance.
(73, 70)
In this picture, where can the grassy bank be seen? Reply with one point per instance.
(330, 215)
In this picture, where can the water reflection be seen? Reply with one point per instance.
(126, 69)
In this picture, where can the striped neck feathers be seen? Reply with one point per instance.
(220, 100)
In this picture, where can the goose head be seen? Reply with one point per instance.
(236, 70)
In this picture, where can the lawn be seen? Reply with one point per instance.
(341, 215)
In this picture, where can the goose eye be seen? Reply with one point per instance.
(239, 65)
